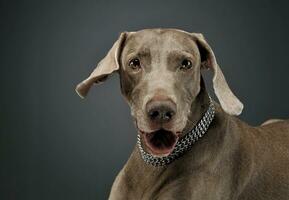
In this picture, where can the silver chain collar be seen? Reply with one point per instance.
(183, 143)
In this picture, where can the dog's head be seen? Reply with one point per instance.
(160, 78)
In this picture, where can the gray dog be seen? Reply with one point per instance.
(189, 147)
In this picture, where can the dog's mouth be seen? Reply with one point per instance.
(160, 142)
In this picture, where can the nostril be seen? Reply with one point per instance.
(154, 114)
(168, 115)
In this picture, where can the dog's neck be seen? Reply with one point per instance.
(198, 108)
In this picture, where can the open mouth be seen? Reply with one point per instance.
(160, 142)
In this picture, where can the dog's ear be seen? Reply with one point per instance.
(229, 102)
(108, 65)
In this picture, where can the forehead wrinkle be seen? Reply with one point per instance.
(142, 52)
(181, 53)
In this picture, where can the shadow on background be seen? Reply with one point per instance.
(53, 145)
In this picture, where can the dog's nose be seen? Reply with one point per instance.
(161, 111)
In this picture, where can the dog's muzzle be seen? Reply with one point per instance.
(181, 145)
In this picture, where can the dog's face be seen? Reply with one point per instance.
(160, 79)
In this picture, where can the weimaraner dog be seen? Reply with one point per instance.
(189, 146)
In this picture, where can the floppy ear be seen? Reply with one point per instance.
(105, 67)
(229, 102)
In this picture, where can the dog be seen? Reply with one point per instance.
(189, 146)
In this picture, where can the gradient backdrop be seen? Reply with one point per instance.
(54, 145)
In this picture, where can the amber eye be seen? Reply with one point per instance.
(134, 64)
(186, 64)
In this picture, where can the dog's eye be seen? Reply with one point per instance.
(134, 64)
(186, 64)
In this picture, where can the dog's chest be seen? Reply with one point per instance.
(164, 186)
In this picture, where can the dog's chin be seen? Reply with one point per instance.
(161, 142)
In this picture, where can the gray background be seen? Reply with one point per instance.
(53, 145)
